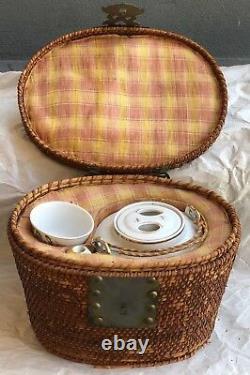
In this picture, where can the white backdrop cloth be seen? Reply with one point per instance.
(224, 168)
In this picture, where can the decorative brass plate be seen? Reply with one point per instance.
(122, 14)
(123, 302)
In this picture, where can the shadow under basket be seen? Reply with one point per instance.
(130, 102)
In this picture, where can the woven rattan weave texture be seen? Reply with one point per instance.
(189, 292)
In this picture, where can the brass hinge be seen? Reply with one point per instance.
(160, 172)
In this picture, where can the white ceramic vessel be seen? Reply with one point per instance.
(186, 228)
(61, 223)
(149, 222)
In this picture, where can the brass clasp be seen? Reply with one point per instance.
(122, 15)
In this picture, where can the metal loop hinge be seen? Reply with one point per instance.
(98, 245)
(192, 213)
(161, 172)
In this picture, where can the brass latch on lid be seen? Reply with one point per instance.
(122, 15)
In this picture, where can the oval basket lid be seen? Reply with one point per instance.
(123, 99)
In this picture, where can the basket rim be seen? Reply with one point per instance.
(117, 264)
(121, 30)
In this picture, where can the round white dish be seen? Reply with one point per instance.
(106, 230)
(149, 222)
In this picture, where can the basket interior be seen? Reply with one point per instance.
(96, 197)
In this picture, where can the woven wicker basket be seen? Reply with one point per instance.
(60, 287)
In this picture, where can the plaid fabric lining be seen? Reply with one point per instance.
(96, 197)
(115, 100)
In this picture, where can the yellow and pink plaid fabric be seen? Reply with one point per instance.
(123, 100)
(98, 197)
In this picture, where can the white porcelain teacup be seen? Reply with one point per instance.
(61, 223)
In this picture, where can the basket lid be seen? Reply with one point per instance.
(123, 99)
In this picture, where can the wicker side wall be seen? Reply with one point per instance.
(57, 306)
(189, 294)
